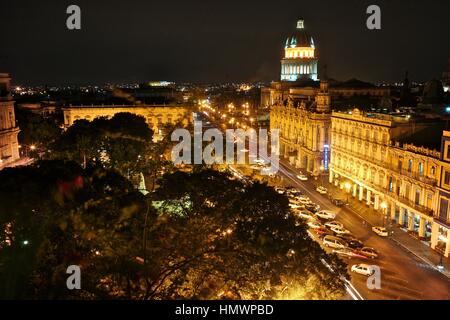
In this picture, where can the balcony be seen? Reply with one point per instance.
(425, 210)
(402, 199)
(443, 221)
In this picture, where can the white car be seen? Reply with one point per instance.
(304, 214)
(334, 242)
(302, 177)
(314, 224)
(363, 269)
(339, 230)
(294, 205)
(304, 202)
(322, 190)
(303, 197)
(381, 231)
(326, 214)
(332, 224)
(369, 252)
(344, 252)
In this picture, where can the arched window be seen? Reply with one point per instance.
(410, 163)
(420, 169)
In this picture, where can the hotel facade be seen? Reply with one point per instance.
(9, 146)
(371, 159)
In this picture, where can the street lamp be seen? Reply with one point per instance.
(383, 206)
(347, 186)
(322, 169)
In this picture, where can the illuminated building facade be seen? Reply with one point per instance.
(371, 158)
(9, 146)
(299, 59)
(304, 131)
(440, 240)
(156, 115)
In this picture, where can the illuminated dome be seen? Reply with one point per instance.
(300, 61)
(300, 38)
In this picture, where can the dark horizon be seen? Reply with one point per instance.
(203, 42)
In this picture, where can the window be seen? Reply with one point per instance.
(433, 170)
(417, 198)
(443, 208)
(410, 163)
(399, 166)
(391, 184)
(448, 151)
(447, 178)
(420, 169)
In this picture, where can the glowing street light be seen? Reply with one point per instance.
(347, 186)
(383, 206)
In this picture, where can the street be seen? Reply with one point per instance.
(403, 276)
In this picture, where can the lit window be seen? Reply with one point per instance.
(420, 169)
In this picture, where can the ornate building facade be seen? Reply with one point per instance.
(369, 157)
(304, 131)
(9, 146)
(441, 227)
(155, 115)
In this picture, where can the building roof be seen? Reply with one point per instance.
(299, 38)
(428, 136)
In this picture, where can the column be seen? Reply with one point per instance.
(392, 210)
(355, 186)
(330, 176)
(410, 221)
(434, 234)
(447, 248)
(400, 216)
(368, 197)
(361, 193)
(376, 203)
(422, 227)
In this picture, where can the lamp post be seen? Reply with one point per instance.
(322, 169)
(347, 187)
(383, 206)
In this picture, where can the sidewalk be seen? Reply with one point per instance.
(374, 218)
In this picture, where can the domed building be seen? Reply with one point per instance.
(300, 61)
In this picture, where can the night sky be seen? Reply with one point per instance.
(217, 41)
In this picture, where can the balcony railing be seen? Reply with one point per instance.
(412, 204)
(400, 198)
(388, 166)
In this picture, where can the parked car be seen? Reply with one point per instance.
(349, 253)
(355, 244)
(322, 190)
(338, 202)
(326, 214)
(346, 236)
(294, 205)
(362, 268)
(344, 252)
(334, 224)
(322, 232)
(334, 242)
(304, 201)
(314, 224)
(369, 252)
(339, 230)
(280, 190)
(305, 214)
(302, 177)
(294, 193)
(312, 207)
(381, 231)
